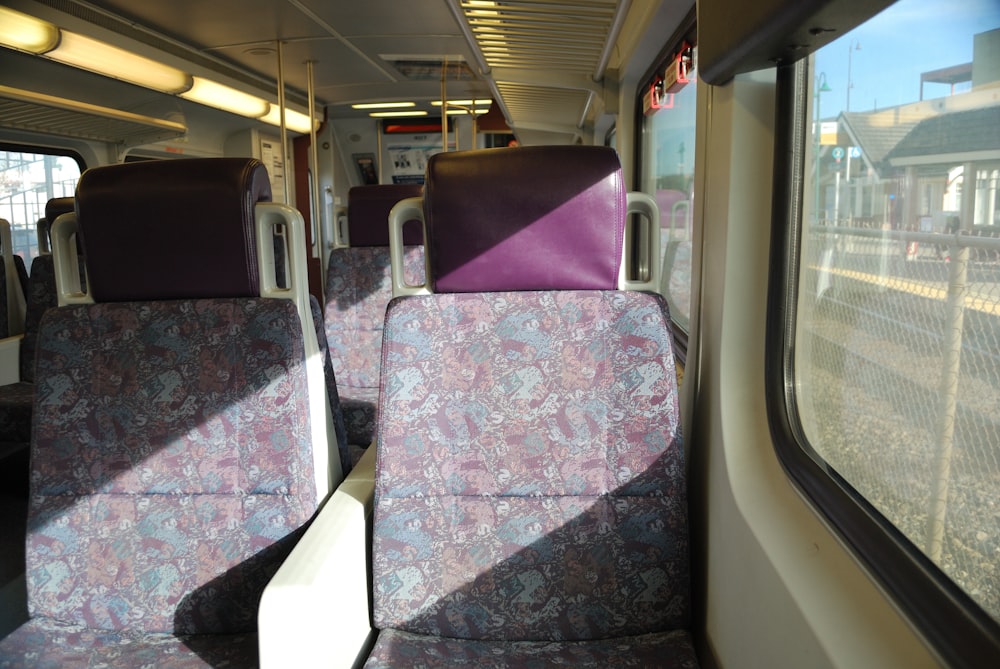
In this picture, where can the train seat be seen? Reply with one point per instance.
(529, 503)
(16, 398)
(172, 463)
(41, 285)
(358, 288)
(13, 285)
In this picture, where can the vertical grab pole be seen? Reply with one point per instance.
(281, 116)
(317, 217)
(444, 104)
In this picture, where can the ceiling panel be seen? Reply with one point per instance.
(516, 36)
(539, 77)
(342, 38)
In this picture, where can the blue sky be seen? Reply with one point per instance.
(907, 39)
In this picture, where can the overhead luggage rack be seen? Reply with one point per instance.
(38, 112)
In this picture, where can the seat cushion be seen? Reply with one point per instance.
(43, 643)
(666, 650)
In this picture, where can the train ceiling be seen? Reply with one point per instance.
(372, 50)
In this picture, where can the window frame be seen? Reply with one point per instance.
(686, 30)
(955, 626)
(17, 147)
(40, 150)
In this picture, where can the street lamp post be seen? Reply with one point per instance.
(821, 87)
(855, 45)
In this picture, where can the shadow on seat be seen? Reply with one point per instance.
(530, 504)
(172, 454)
(358, 288)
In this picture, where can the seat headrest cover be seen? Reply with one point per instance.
(368, 210)
(172, 229)
(525, 218)
(56, 207)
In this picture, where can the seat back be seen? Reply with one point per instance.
(13, 289)
(530, 476)
(358, 288)
(210, 233)
(41, 287)
(172, 455)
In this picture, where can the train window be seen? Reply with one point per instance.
(30, 177)
(667, 170)
(894, 356)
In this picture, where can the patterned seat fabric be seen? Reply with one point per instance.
(16, 398)
(171, 467)
(671, 650)
(530, 496)
(170, 476)
(358, 289)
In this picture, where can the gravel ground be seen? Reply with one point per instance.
(879, 430)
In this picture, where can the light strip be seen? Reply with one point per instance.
(294, 121)
(90, 54)
(383, 105)
(460, 112)
(26, 33)
(397, 114)
(464, 103)
(216, 95)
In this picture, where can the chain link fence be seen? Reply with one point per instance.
(898, 376)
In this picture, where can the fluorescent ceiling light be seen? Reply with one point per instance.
(294, 121)
(90, 54)
(20, 31)
(228, 99)
(396, 114)
(460, 112)
(383, 105)
(463, 103)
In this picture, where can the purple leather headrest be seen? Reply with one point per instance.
(171, 229)
(368, 210)
(56, 207)
(525, 218)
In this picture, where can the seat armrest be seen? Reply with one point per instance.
(10, 359)
(315, 611)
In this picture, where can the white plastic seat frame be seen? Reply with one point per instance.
(268, 216)
(316, 611)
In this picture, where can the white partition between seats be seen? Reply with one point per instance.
(316, 612)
